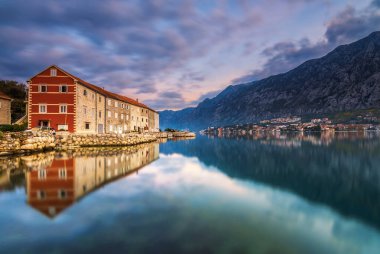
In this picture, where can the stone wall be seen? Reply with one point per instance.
(5, 111)
(28, 142)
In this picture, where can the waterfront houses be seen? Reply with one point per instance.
(5, 109)
(60, 100)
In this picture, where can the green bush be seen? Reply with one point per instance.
(170, 130)
(1, 135)
(12, 128)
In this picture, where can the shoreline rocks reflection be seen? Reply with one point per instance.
(56, 180)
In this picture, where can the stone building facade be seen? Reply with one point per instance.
(63, 101)
(5, 109)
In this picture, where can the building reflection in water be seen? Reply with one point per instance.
(57, 180)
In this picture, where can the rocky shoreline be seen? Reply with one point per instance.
(14, 143)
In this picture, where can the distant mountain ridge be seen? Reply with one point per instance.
(347, 78)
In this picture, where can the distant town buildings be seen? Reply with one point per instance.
(62, 101)
(5, 109)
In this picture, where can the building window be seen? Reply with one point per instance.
(122, 116)
(62, 194)
(127, 117)
(62, 174)
(42, 108)
(42, 88)
(142, 119)
(87, 125)
(109, 102)
(84, 110)
(100, 99)
(42, 174)
(100, 114)
(63, 127)
(63, 108)
(142, 110)
(85, 92)
(109, 113)
(122, 105)
(63, 88)
(41, 194)
(116, 115)
(115, 104)
(111, 127)
(53, 72)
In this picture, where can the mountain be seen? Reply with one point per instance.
(346, 79)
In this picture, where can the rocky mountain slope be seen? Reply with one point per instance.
(348, 78)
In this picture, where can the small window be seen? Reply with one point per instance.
(62, 108)
(115, 104)
(42, 88)
(109, 102)
(87, 126)
(42, 108)
(62, 194)
(109, 113)
(63, 127)
(100, 99)
(85, 92)
(142, 119)
(100, 114)
(41, 194)
(42, 174)
(122, 116)
(53, 72)
(84, 110)
(62, 174)
(142, 110)
(63, 88)
(116, 115)
(127, 117)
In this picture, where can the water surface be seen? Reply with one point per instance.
(262, 194)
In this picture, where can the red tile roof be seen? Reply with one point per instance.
(4, 96)
(103, 91)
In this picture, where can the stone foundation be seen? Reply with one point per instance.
(28, 142)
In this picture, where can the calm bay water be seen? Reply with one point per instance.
(266, 194)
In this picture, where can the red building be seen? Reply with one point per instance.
(63, 101)
(52, 98)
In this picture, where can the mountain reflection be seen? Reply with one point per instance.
(55, 181)
(341, 170)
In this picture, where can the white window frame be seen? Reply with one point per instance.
(40, 88)
(42, 174)
(40, 107)
(62, 106)
(109, 113)
(62, 173)
(61, 86)
(53, 72)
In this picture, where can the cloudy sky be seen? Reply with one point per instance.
(173, 54)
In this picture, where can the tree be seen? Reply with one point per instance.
(17, 91)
